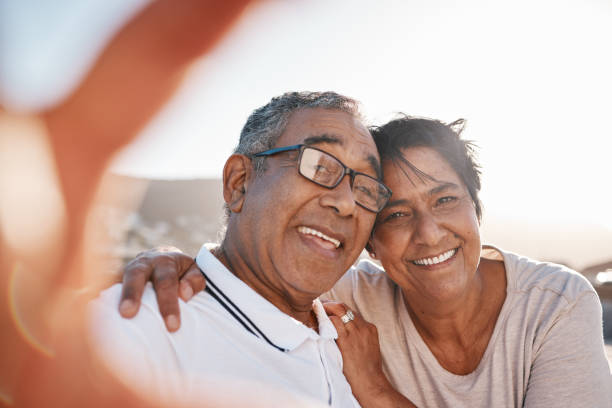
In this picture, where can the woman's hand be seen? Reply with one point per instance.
(358, 343)
(172, 273)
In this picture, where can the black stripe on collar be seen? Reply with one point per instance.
(235, 311)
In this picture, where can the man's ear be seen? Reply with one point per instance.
(237, 174)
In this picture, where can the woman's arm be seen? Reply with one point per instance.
(362, 361)
(172, 273)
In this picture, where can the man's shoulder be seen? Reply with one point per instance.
(201, 324)
(205, 337)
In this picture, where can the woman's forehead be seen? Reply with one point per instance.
(418, 165)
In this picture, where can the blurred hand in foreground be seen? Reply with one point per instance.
(131, 80)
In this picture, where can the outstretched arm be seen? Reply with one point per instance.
(132, 79)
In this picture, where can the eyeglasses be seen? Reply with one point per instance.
(327, 171)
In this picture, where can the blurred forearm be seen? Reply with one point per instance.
(132, 79)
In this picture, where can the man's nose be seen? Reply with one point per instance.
(340, 198)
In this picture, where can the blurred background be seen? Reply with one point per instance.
(532, 78)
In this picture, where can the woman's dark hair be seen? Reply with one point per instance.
(406, 131)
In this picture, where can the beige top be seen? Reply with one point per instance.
(546, 349)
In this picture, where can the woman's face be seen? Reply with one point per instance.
(427, 238)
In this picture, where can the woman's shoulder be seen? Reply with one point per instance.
(525, 275)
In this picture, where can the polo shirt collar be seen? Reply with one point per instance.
(282, 330)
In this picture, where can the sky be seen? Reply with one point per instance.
(532, 78)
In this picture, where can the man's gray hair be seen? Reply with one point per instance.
(265, 125)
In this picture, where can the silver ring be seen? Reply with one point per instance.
(349, 316)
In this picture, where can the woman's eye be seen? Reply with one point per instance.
(446, 200)
(396, 216)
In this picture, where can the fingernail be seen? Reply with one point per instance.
(172, 323)
(186, 291)
(126, 307)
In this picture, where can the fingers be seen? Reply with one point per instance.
(335, 308)
(165, 281)
(163, 266)
(340, 327)
(191, 282)
(135, 276)
(335, 311)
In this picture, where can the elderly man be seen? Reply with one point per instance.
(295, 225)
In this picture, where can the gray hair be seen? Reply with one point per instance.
(265, 125)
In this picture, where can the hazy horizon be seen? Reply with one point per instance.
(574, 244)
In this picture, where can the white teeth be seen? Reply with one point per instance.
(436, 259)
(306, 230)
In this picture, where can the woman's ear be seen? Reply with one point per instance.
(236, 177)
(370, 248)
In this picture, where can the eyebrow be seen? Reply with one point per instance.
(396, 202)
(445, 185)
(331, 139)
(324, 138)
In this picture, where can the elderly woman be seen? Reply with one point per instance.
(459, 324)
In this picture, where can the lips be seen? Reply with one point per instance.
(438, 259)
(327, 240)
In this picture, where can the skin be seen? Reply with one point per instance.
(263, 245)
(362, 360)
(454, 304)
(134, 76)
(335, 212)
(425, 220)
(265, 249)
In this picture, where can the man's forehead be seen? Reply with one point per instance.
(334, 127)
(332, 121)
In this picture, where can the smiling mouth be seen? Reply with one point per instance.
(436, 259)
(319, 234)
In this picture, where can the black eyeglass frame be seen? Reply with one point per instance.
(347, 170)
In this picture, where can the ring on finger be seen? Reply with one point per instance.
(348, 316)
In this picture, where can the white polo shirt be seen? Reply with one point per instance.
(229, 335)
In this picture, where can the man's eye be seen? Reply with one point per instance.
(321, 169)
(365, 190)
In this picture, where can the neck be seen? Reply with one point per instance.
(466, 317)
(298, 306)
(455, 318)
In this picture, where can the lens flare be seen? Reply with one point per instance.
(26, 329)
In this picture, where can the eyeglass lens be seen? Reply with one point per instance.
(326, 170)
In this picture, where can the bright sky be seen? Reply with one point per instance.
(532, 77)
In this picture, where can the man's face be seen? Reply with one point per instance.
(287, 221)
